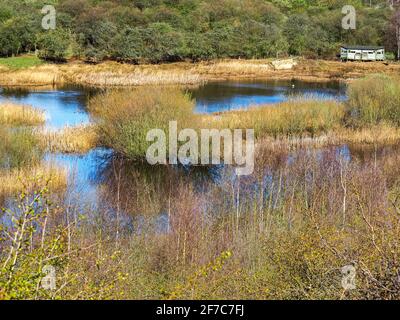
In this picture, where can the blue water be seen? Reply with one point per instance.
(62, 107)
(233, 95)
(67, 106)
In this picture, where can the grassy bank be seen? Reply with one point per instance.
(22, 62)
(184, 73)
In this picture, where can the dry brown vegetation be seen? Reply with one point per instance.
(299, 117)
(34, 76)
(28, 178)
(79, 139)
(12, 114)
(185, 73)
(382, 134)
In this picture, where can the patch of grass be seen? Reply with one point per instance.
(27, 178)
(299, 117)
(79, 139)
(382, 134)
(21, 62)
(20, 115)
(43, 75)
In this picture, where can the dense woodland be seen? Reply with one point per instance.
(157, 31)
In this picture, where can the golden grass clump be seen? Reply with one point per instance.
(378, 134)
(299, 117)
(80, 139)
(18, 180)
(236, 67)
(20, 115)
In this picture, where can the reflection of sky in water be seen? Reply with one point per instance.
(62, 108)
(82, 172)
(224, 96)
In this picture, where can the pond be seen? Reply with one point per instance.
(66, 106)
(93, 173)
(231, 95)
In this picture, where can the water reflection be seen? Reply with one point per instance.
(230, 95)
(65, 106)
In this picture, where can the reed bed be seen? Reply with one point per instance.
(137, 78)
(231, 67)
(382, 134)
(34, 76)
(110, 73)
(299, 117)
(12, 114)
(80, 139)
(28, 178)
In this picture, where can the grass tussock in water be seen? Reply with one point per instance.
(17, 180)
(78, 139)
(383, 134)
(12, 114)
(291, 118)
(123, 118)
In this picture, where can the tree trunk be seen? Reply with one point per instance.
(398, 40)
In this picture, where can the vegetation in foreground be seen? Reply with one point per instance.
(287, 237)
(21, 152)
